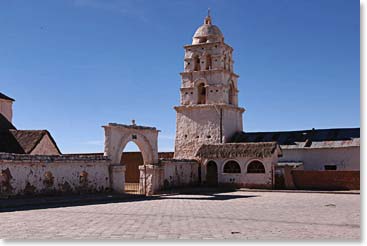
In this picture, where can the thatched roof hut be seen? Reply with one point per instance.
(232, 150)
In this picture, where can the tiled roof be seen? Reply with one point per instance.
(315, 138)
(22, 141)
(5, 124)
(3, 96)
(231, 150)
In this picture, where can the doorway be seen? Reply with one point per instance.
(132, 158)
(211, 173)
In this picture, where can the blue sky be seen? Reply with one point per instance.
(75, 65)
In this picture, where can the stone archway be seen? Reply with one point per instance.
(117, 136)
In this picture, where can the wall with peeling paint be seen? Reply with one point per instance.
(243, 179)
(178, 173)
(32, 174)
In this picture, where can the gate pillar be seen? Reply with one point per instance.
(117, 178)
(151, 179)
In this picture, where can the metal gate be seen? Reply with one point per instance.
(132, 188)
(135, 188)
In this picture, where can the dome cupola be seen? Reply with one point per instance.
(207, 33)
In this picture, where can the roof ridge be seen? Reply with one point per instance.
(308, 130)
(3, 96)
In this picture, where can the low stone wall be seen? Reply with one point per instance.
(179, 173)
(326, 180)
(45, 174)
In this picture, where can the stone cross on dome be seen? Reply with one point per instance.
(208, 19)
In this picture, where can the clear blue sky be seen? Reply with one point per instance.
(75, 65)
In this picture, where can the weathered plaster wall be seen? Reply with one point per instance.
(117, 136)
(45, 147)
(345, 158)
(243, 179)
(6, 109)
(194, 128)
(232, 122)
(33, 174)
(179, 173)
(201, 124)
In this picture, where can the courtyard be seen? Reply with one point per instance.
(227, 215)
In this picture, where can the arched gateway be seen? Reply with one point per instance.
(117, 136)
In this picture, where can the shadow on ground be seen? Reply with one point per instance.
(23, 204)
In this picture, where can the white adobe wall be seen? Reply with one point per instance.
(45, 147)
(6, 109)
(345, 158)
(202, 125)
(179, 173)
(29, 174)
(232, 122)
(194, 128)
(244, 179)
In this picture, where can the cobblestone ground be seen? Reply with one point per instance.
(236, 215)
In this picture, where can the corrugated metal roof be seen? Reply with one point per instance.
(315, 138)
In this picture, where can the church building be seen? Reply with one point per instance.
(209, 125)
(211, 146)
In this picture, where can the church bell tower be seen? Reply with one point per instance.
(208, 111)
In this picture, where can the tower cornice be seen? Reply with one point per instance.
(203, 106)
(208, 44)
(210, 71)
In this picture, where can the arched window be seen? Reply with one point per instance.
(255, 167)
(208, 62)
(197, 63)
(201, 94)
(232, 167)
(225, 61)
(231, 93)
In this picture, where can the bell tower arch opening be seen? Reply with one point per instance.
(201, 93)
(231, 93)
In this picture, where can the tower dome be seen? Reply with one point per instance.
(207, 33)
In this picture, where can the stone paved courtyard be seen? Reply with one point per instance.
(234, 215)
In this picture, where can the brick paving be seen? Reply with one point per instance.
(234, 215)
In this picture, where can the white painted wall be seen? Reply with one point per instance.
(197, 125)
(244, 179)
(64, 170)
(180, 173)
(345, 158)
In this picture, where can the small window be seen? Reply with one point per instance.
(255, 167)
(208, 136)
(134, 136)
(330, 167)
(232, 167)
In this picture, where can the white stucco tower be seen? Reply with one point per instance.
(209, 111)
